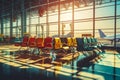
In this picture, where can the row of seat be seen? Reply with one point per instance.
(47, 43)
(90, 47)
(7, 39)
(82, 44)
(92, 52)
(88, 43)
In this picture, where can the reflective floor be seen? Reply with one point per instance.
(106, 68)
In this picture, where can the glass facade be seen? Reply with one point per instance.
(55, 18)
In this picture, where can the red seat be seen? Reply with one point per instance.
(40, 43)
(48, 43)
(24, 42)
(32, 42)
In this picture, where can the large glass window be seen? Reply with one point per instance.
(6, 25)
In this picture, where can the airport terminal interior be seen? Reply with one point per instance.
(59, 40)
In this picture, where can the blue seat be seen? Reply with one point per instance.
(79, 44)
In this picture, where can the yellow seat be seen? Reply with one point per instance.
(69, 41)
(57, 43)
(74, 42)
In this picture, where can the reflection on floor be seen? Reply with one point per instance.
(24, 69)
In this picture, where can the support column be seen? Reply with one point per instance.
(115, 30)
(59, 18)
(115, 22)
(72, 25)
(1, 19)
(11, 19)
(47, 24)
(93, 18)
(23, 18)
